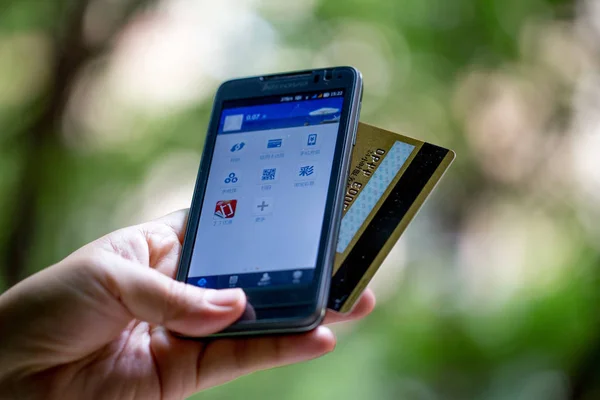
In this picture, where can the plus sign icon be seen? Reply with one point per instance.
(263, 206)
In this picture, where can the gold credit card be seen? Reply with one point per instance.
(390, 177)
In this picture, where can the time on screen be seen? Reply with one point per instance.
(253, 117)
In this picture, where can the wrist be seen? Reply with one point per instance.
(17, 358)
(7, 361)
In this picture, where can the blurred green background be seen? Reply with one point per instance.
(492, 291)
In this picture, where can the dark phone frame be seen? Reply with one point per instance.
(299, 309)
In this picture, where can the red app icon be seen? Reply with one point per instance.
(225, 209)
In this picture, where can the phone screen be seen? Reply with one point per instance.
(264, 205)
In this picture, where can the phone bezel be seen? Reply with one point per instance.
(306, 316)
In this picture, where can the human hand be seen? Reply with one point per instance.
(97, 325)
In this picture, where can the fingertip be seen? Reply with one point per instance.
(210, 311)
(227, 298)
(367, 303)
(325, 339)
(224, 304)
(364, 306)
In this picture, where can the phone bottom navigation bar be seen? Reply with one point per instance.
(254, 280)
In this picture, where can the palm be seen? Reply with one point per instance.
(135, 356)
(100, 350)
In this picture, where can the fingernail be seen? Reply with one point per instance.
(224, 298)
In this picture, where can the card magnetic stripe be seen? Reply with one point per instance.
(379, 230)
(372, 192)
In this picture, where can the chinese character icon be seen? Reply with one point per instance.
(312, 139)
(306, 171)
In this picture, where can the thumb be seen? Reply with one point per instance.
(155, 298)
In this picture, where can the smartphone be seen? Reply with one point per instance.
(268, 199)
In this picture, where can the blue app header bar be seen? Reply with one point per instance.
(281, 115)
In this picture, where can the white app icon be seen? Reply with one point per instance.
(233, 123)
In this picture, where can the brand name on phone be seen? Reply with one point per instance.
(289, 85)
